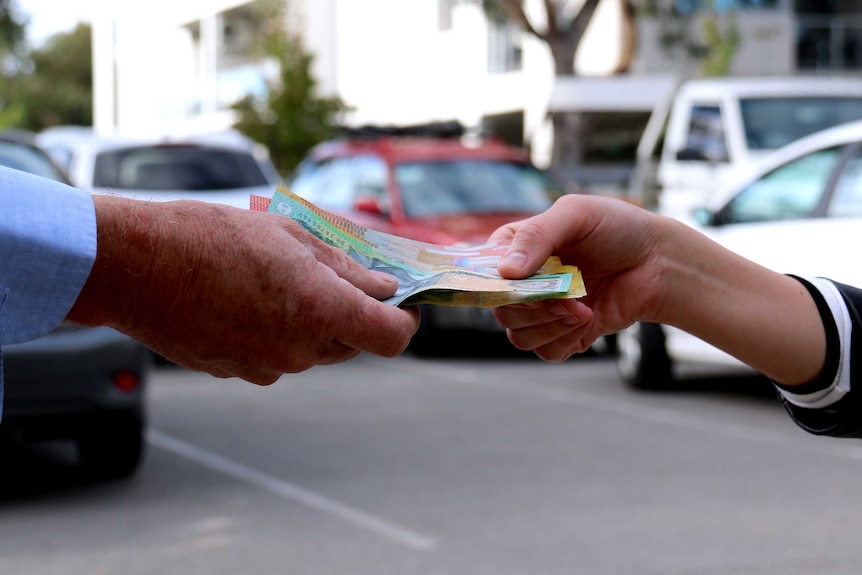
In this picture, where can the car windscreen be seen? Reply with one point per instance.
(473, 187)
(28, 159)
(771, 123)
(177, 168)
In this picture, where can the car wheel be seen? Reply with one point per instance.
(111, 446)
(642, 359)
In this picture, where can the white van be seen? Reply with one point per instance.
(714, 131)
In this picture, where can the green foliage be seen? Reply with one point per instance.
(59, 90)
(722, 44)
(713, 49)
(13, 29)
(494, 11)
(291, 117)
(13, 51)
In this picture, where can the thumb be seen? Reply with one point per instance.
(530, 247)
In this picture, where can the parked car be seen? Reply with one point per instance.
(430, 183)
(224, 168)
(799, 212)
(711, 129)
(66, 145)
(19, 151)
(75, 383)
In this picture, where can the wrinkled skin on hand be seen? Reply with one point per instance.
(612, 243)
(234, 293)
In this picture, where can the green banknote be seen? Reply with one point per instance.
(430, 273)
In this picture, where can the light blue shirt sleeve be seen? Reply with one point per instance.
(47, 249)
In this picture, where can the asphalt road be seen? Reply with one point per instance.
(490, 466)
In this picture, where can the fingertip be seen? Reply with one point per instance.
(394, 326)
(386, 278)
(582, 311)
(387, 284)
(528, 250)
(515, 259)
(514, 264)
(411, 319)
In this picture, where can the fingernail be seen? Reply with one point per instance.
(388, 278)
(515, 259)
(571, 321)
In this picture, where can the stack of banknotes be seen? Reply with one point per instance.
(428, 273)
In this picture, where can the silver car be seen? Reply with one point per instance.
(225, 168)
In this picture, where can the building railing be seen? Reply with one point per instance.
(828, 42)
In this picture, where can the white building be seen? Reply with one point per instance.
(393, 61)
(168, 67)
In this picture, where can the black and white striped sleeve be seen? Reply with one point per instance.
(831, 404)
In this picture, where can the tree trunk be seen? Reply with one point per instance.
(570, 130)
(629, 37)
(563, 34)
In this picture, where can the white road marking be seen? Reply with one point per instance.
(385, 529)
(795, 438)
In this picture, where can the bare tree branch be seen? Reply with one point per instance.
(551, 12)
(582, 20)
(629, 39)
(515, 11)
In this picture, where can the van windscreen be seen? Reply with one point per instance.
(771, 123)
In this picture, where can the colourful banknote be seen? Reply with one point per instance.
(430, 273)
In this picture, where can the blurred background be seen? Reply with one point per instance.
(653, 453)
(578, 93)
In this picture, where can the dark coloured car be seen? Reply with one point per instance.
(81, 384)
(429, 183)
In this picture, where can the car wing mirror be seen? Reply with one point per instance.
(705, 217)
(695, 155)
(369, 205)
(691, 154)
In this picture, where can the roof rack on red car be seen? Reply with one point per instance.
(447, 129)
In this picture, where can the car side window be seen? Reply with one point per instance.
(847, 197)
(326, 183)
(706, 139)
(307, 179)
(791, 191)
(370, 176)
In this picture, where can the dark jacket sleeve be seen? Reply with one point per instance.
(844, 417)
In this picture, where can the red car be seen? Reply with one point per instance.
(429, 183)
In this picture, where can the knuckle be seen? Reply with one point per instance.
(531, 232)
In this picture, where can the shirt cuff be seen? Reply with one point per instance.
(833, 383)
(48, 239)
